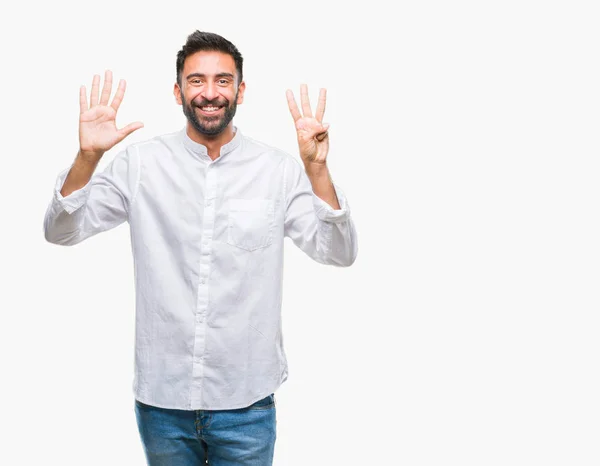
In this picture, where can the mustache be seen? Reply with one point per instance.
(215, 102)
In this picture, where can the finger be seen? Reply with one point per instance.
(107, 88)
(305, 102)
(322, 136)
(324, 132)
(292, 105)
(118, 98)
(95, 90)
(321, 105)
(83, 103)
(130, 128)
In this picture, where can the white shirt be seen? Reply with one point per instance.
(207, 241)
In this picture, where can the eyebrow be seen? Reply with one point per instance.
(201, 75)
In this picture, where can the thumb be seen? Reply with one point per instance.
(321, 135)
(130, 128)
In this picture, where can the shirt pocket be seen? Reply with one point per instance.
(250, 223)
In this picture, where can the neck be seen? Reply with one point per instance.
(214, 143)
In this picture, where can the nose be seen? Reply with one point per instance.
(210, 91)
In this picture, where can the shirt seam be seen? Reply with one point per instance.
(285, 203)
(137, 181)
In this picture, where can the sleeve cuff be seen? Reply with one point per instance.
(327, 213)
(73, 201)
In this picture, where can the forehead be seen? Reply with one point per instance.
(209, 63)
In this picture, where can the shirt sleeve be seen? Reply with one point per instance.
(325, 234)
(102, 204)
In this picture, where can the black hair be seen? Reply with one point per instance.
(198, 41)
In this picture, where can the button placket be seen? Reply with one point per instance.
(203, 274)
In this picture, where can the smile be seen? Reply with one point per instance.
(209, 110)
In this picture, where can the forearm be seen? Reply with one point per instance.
(84, 205)
(322, 186)
(80, 173)
(318, 216)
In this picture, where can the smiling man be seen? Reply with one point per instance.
(208, 209)
(209, 108)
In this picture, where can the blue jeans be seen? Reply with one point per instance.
(173, 437)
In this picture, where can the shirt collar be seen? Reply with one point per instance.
(200, 149)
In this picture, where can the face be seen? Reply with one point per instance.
(209, 92)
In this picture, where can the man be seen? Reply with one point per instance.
(208, 210)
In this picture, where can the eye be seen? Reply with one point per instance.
(223, 82)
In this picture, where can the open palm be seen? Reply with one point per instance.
(97, 122)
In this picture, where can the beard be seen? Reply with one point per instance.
(214, 125)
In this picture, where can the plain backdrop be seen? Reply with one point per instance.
(465, 136)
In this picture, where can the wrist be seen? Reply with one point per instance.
(316, 170)
(88, 158)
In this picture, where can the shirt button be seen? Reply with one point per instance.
(208, 203)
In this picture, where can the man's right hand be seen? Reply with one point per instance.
(97, 131)
(97, 127)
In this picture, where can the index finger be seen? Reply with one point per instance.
(321, 105)
(292, 105)
(118, 98)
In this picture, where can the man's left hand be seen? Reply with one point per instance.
(313, 138)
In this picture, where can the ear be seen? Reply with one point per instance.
(177, 94)
(241, 89)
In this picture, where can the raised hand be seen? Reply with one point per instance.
(313, 138)
(97, 127)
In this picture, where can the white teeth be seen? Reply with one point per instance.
(210, 109)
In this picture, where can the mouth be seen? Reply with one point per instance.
(210, 110)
